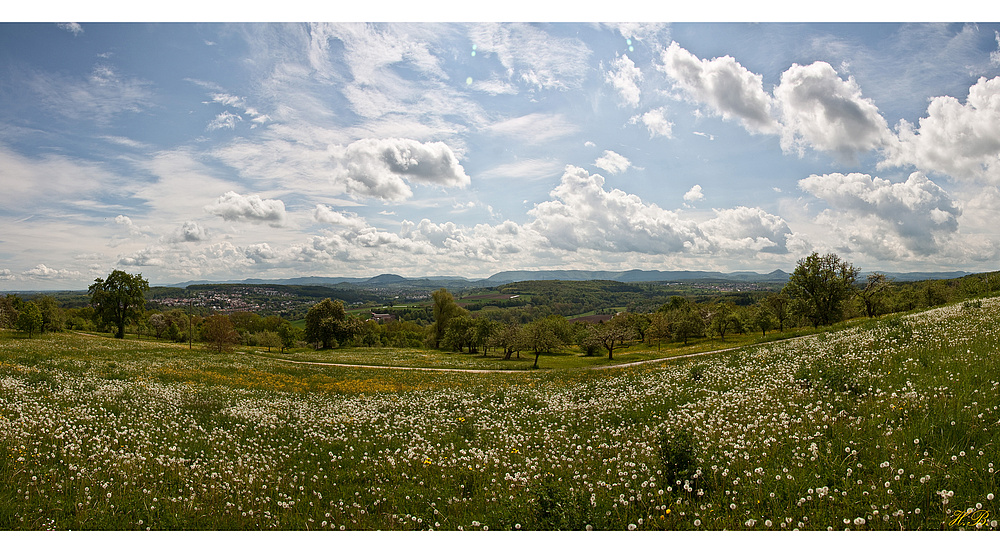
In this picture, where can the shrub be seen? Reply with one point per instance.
(466, 429)
(556, 508)
(972, 304)
(677, 455)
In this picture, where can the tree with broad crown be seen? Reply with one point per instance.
(10, 305)
(445, 309)
(320, 322)
(288, 335)
(689, 325)
(53, 317)
(660, 327)
(30, 318)
(544, 335)
(762, 319)
(823, 284)
(725, 320)
(327, 324)
(119, 299)
(268, 339)
(873, 295)
(614, 333)
(220, 334)
(484, 331)
(459, 334)
(779, 306)
(510, 338)
(158, 323)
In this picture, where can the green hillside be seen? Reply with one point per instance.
(889, 425)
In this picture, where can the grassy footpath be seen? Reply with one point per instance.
(566, 358)
(885, 425)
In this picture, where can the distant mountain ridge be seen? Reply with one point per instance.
(636, 275)
(505, 277)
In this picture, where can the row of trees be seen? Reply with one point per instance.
(117, 305)
(822, 290)
(454, 328)
(31, 317)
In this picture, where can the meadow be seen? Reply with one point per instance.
(567, 357)
(886, 425)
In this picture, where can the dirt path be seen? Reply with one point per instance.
(350, 366)
(449, 369)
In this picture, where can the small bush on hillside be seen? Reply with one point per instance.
(677, 455)
(972, 304)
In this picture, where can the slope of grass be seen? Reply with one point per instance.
(886, 425)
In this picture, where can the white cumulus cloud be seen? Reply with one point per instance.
(131, 227)
(584, 215)
(747, 229)
(730, 89)
(821, 110)
(235, 207)
(656, 122)
(189, 231)
(260, 253)
(886, 219)
(152, 256)
(624, 77)
(995, 56)
(613, 162)
(377, 167)
(43, 272)
(955, 139)
(694, 194)
(324, 214)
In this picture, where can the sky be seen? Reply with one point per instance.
(225, 151)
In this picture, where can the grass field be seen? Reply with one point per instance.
(886, 425)
(567, 358)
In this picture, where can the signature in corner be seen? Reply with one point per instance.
(970, 517)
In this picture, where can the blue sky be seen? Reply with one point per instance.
(190, 151)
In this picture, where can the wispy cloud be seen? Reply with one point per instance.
(101, 96)
(531, 169)
(74, 28)
(535, 128)
(125, 141)
(224, 120)
(532, 57)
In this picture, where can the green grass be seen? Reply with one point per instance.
(881, 425)
(567, 358)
